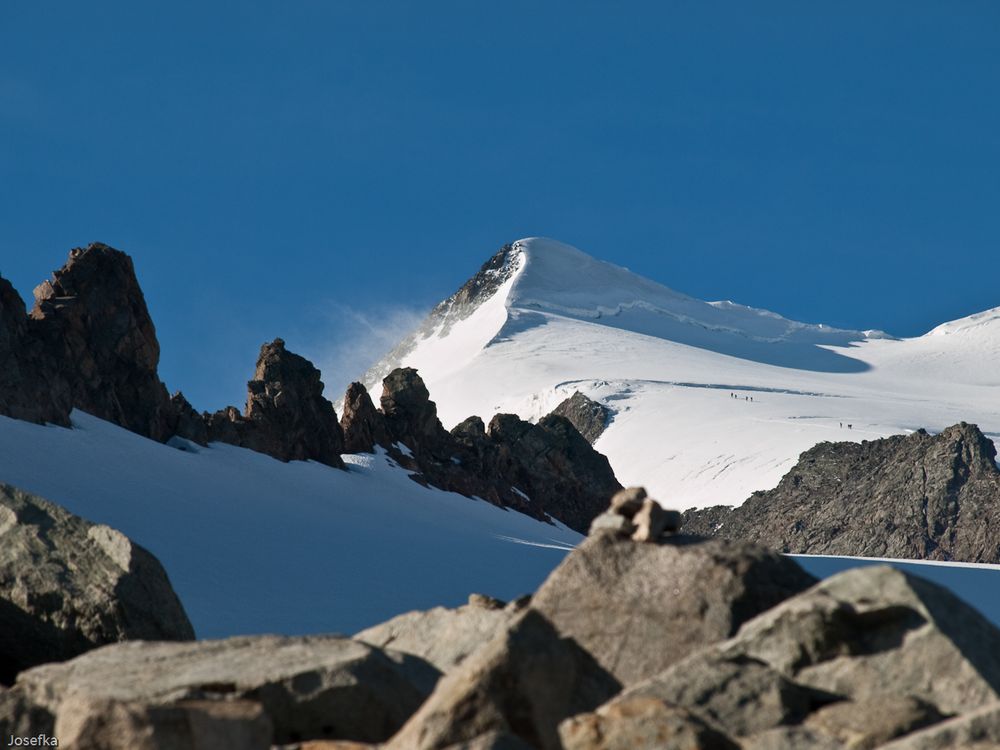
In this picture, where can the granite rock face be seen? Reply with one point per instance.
(444, 637)
(617, 597)
(68, 586)
(523, 682)
(311, 687)
(916, 496)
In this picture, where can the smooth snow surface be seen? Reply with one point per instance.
(667, 363)
(253, 545)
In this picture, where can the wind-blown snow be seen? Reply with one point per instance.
(253, 545)
(667, 365)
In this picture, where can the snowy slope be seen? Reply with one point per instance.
(667, 364)
(253, 545)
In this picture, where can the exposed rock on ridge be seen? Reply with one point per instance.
(906, 496)
(588, 416)
(88, 343)
(545, 469)
(286, 415)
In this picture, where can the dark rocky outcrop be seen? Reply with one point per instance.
(615, 596)
(68, 586)
(920, 496)
(587, 415)
(411, 417)
(543, 470)
(24, 390)
(310, 687)
(286, 416)
(285, 404)
(556, 467)
(363, 425)
(88, 343)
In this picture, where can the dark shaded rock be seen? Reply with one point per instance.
(640, 607)
(641, 724)
(587, 415)
(523, 682)
(95, 342)
(791, 738)
(67, 586)
(25, 392)
(556, 467)
(912, 496)
(363, 425)
(187, 423)
(310, 687)
(286, 416)
(292, 421)
(411, 416)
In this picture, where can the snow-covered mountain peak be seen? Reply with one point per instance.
(710, 400)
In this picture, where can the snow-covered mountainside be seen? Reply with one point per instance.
(254, 545)
(543, 319)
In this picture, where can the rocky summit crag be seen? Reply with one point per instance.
(644, 638)
(917, 496)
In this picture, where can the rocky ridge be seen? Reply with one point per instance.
(719, 646)
(89, 343)
(916, 496)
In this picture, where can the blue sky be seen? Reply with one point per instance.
(316, 169)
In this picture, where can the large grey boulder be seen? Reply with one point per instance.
(640, 607)
(68, 585)
(88, 724)
(308, 687)
(523, 683)
(876, 631)
(441, 636)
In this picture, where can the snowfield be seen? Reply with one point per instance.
(253, 545)
(669, 364)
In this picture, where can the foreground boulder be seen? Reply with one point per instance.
(916, 496)
(68, 585)
(859, 659)
(640, 607)
(444, 637)
(976, 730)
(307, 688)
(523, 683)
(641, 723)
